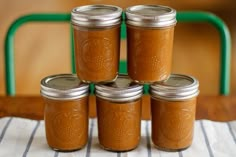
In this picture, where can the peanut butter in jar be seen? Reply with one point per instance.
(119, 114)
(173, 107)
(66, 111)
(150, 34)
(97, 42)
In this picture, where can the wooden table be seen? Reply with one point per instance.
(216, 108)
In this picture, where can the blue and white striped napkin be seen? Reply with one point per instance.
(22, 137)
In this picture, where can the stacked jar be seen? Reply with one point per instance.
(66, 111)
(150, 33)
(118, 98)
(97, 42)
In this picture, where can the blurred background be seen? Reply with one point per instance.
(43, 49)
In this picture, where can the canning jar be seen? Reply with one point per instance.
(119, 114)
(150, 34)
(173, 107)
(66, 111)
(97, 42)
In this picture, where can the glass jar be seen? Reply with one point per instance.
(173, 107)
(150, 33)
(66, 111)
(97, 42)
(119, 114)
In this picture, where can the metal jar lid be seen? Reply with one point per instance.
(96, 15)
(177, 87)
(122, 90)
(63, 87)
(150, 16)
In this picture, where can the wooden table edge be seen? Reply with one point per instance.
(215, 108)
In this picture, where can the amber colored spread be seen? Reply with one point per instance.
(172, 123)
(118, 124)
(97, 53)
(149, 53)
(66, 123)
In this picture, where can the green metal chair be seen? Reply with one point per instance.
(192, 16)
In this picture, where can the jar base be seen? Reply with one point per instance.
(170, 149)
(100, 82)
(149, 82)
(113, 150)
(67, 150)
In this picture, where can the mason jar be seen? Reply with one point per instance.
(66, 111)
(150, 34)
(173, 107)
(119, 114)
(97, 42)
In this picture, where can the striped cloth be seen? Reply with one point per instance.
(23, 137)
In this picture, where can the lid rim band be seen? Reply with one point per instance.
(123, 99)
(176, 99)
(65, 98)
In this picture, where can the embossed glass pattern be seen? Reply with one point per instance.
(173, 107)
(66, 111)
(97, 42)
(119, 114)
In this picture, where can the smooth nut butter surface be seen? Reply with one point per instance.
(119, 124)
(66, 123)
(173, 123)
(149, 53)
(97, 54)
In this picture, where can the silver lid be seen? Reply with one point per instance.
(177, 87)
(96, 15)
(150, 16)
(122, 90)
(63, 87)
